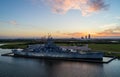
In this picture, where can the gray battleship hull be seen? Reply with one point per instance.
(64, 56)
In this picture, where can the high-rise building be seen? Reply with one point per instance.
(89, 37)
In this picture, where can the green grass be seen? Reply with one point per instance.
(100, 47)
(25, 44)
(14, 45)
(63, 44)
(106, 47)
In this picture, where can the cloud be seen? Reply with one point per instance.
(13, 22)
(118, 17)
(85, 6)
(110, 32)
(74, 34)
(108, 26)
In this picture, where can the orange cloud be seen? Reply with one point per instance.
(85, 6)
(75, 34)
(110, 32)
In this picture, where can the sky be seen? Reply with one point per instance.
(60, 18)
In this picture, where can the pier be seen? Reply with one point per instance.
(7, 54)
(108, 60)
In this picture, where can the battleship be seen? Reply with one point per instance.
(50, 50)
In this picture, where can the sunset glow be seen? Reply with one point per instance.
(60, 18)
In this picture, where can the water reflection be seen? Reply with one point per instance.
(75, 69)
(25, 67)
(52, 68)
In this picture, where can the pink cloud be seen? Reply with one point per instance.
(85, 6)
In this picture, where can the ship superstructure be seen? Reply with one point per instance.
(51, 50)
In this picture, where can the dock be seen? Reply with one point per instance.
(7, 54)
(65, 59)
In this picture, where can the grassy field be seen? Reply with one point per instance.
(108, 49)
(23, 45)
(14, 45)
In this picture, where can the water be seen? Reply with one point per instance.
(25, 67)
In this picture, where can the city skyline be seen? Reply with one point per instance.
(60, 18)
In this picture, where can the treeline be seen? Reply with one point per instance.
(62, 41)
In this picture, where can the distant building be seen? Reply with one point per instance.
(85, 37)
(89, 37)
(82, 37)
